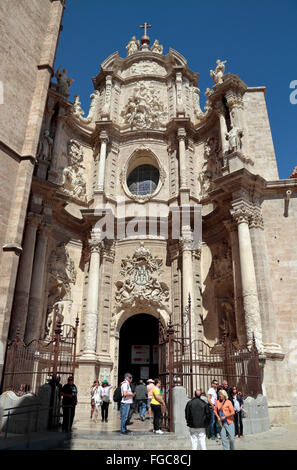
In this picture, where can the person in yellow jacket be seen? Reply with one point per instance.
(156, 403)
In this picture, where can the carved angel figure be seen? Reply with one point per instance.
(234, 138)
(156, 47)
(217, 74)
(64, 82)
(132, 46)
(44, 151)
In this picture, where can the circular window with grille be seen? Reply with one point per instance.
(143, 180)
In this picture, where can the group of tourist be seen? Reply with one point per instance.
(100, 399)
(220, 414)
(141, 397)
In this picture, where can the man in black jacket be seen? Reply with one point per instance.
(198, 417)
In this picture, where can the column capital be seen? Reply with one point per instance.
(95, 245)
(33, 219)
(181, 133)
(241, 213)
(234, 99)
(103, 137)
(186, 240)
(256, 220)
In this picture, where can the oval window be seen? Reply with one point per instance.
(143, 180)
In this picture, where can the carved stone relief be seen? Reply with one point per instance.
(212, 166)
(73, 180)
(141, 282)
(62, 273)
(144, 109)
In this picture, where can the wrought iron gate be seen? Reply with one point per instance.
(194, 364)
(27, 367)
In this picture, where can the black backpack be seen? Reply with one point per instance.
(117, 394)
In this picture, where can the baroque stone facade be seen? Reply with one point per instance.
(148, 199)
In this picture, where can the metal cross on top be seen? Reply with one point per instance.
(145, 26)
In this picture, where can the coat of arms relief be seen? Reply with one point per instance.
(141, 284)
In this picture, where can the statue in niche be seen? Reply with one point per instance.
(234, 138)
(64, 82)
(218, 73)
(73, 181)
(55, 316)
(45, 146)
(227, 324)
(156, 47)
(132, 46)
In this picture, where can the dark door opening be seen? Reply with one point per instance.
(138, 350)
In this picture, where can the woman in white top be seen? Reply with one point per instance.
(92, 392)
(105, 400)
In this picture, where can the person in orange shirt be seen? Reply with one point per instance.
(224, 412)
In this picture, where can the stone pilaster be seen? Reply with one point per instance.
(34, 317)
(242, 213)
(91, 317)
(22, 290)
(183, 180)
(268, 317)
(102, 161)
(186, 246)
(231, 227)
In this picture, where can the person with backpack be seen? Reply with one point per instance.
(126, 401)
(198, 415)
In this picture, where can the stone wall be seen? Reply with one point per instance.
(280, 236)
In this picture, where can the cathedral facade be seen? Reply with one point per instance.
(143, 201)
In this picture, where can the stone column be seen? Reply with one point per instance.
(52, 174)
(34, 317)
(187, 273)
(22, 290)
(223, 126)
(91, 317)
(241, 213)
(102, 159)
(105, 115)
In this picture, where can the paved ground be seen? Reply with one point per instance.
(89, 435)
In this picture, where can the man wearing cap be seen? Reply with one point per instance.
(127, 400)
(150, 386)
(104, 390)
(69, 394)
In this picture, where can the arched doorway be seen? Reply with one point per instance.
(138, 347)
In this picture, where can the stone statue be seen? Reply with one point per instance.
(157, 48)
(77, 111)
(45, 146)
(64, 82)
(234, 138)
(227, 322)
(217, 74)
(132, 46)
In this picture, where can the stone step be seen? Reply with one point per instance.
(81, 441)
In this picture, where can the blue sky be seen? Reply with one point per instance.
(257, 38)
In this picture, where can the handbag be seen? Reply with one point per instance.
(243, 413)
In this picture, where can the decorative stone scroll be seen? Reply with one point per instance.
(144, 109)
(141, 284)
